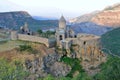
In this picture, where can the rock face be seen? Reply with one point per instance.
(87, 47)
(35, 67)
(108, 18)
(50, 64)
(84, 18)
(54, 67)
(59, 69)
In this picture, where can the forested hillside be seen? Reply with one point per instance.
(111, 41)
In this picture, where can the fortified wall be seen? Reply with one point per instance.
(33, 39)
(88, 46)
(85, 46)
(25, 37)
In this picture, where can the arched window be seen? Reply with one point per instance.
(61, 37)
(84, 42)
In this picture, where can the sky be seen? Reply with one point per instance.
(55, 8)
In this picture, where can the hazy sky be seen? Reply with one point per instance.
(55, 8)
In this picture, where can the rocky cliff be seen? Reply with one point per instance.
(110, 16)
(84, 18)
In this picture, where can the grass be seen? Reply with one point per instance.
(8, 45)
(28, 48)
(3, 42)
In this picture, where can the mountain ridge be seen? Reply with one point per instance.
(16, 19)
(109, 16)
(84, 18)
(90, 28)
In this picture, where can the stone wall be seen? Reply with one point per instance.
(87, 47)
(34, 39)
(13, 35)
(90, 51)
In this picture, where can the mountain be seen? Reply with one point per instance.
(84, 18)
(113, 7)
(111, 41)
(14, 20)
(90, 28)
(110, 16)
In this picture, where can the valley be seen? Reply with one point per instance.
(39, 48)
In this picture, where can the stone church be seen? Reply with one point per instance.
(61, 32)
(65, 36)
(88, 45)
(25, 30)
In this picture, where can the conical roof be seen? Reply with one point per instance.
(62, 19)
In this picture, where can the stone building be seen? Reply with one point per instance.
(25, 30)
(65, 36)
(88, 45)
(61, 32)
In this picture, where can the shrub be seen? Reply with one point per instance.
(74, 63)
(10, 71)
(109, 70)
(4, 41)
(25, 48)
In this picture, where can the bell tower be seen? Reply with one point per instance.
(62, 23)
(61, 31)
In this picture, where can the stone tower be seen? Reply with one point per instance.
(61, 31)
(62, 23)
(26, 29)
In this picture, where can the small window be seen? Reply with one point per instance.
(84, 42)
(75, 36)
(28, 33)
(60, 37)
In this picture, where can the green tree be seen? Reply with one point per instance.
(25, 48)
(10, 71)
(39, 31)
(109, 70)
